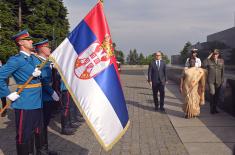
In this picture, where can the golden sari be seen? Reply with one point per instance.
(194, 80)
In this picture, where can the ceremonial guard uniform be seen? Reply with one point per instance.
(3, 99)
(48, 93)
(28, 104)
(67, 128)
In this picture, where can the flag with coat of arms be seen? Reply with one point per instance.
(87, 65)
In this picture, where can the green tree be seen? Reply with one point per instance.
(148, 59)
(132, 57)
(119, 54)
(141, 59)
(165, 58)
(43, 19)
(185, 52)
(8, 25)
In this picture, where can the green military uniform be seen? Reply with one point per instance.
(215, 80)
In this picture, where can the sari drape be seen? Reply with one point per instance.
(194, 80)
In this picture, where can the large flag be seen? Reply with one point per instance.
(87, 64)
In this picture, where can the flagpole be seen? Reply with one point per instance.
(25, 84)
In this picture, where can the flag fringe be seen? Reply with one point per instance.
(106, 147)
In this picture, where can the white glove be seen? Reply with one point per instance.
(13, 96)
(55, 96)
(36, 72)
(52, 65)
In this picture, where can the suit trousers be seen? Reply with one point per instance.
(159, 87)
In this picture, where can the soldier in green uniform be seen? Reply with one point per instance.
(215, 67)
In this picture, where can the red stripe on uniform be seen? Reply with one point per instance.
(37, 131)
(67, 105)
(20, 127)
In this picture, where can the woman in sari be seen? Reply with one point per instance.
(192, 87)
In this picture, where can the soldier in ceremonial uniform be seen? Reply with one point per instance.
(27, 105)
(67, 127)
(48, 94)
(3, 99)
(215, 67)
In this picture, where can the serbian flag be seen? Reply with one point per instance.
(86, 62)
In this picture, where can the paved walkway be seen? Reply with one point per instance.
(150, 132)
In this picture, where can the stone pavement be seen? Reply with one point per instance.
(150, 132)
(208, 134)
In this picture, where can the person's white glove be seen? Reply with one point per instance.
(13, 96)
(55, 96)
(36, 72)
(52, 65)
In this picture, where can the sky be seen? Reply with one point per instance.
(152, 25)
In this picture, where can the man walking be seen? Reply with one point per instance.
(157, 79)
(215, 67)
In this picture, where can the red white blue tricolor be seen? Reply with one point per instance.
(87, 64)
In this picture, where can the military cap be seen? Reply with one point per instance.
(23, 35)
(41, 44)
(216, 51)
(194, 50)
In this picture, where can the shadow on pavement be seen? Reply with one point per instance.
(218, 124)
(134, 87)
(136, 104)
(172, 104)
(56, 142)
(132, 72)
(146, 94)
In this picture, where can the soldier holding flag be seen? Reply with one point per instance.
(28, 104)
(48, 95)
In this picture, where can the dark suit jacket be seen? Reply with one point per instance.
(156, 75)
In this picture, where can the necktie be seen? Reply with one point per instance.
(158, 64)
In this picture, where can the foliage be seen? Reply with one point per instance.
(134, 58)
(165, 58)
(44, 19)
(185, 52)
(119, 54)
(8, 24)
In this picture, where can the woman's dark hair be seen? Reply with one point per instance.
(192, 52)
(192, 62)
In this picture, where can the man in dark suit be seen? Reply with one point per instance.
(157, 79)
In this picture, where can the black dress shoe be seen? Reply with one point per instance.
(75, 125)
(162, 109)
(68, 131)
(50, 152)
(216, 111)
